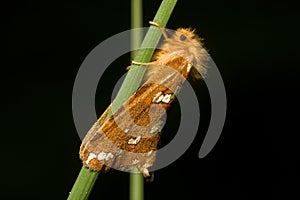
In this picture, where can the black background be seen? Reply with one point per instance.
(254, 44)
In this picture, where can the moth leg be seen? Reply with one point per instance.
(141, 64)
(163, 31)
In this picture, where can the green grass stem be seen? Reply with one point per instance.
(136, 185)
(136, 179)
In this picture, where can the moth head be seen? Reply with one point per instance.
(190, 47)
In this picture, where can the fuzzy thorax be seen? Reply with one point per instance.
(186, 44)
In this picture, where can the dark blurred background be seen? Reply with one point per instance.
(254, 44)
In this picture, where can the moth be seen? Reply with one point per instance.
(129, 138)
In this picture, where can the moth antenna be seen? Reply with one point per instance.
(163, 31)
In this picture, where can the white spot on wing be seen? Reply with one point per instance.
(159, 99)
(109, 156)
(90, 157)
(156, 96)
(101, 156)
(134, 141)
(167, 98)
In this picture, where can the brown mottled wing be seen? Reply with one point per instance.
(129, 138)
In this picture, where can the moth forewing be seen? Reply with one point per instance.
(130, 137)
